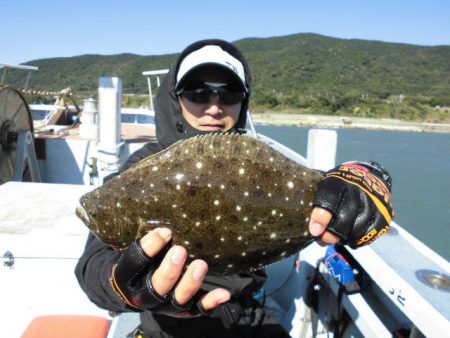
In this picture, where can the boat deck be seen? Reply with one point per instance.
(130, 133)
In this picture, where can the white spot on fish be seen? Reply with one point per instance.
(199, 165)
(118, 204)
(155, 168)
(245, 219)
(184, 216)
(186, 243)
(254, 228)
(192, 256)
(274, 212)
(216, 202)
(230, 265)
(174, 206)
(216, 256)
(306, 233)
(179, 176)
(197, 224)
(239, 238)
(288, 240)
(283, 254)
(290, 185)
(287, 198)
(241, 171)
(151, 185)
(178, 187)
(222, 239)
(244, 254)
(238, 208)
(301, 202)
(269, 194)
(218, 217)
(209, 185)
(260, 223)
(273, 235)
(246, 193)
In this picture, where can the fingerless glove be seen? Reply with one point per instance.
(358, 194)
(131, 280)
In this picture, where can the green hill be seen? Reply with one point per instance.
(306, 73)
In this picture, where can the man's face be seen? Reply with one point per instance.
(212, 116)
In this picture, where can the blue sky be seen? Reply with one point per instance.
(42, 29)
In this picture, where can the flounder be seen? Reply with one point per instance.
(229, 199)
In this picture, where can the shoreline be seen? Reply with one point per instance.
(350, 122)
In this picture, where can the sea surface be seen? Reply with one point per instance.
(419, 164)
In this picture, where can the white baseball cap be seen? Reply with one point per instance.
(211, 55)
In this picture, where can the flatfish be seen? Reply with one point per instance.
(229, 199)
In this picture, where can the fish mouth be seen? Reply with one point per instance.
(84, 216)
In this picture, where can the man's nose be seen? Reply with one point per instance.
(214, 107)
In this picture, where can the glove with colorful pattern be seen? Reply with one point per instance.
(358, 194)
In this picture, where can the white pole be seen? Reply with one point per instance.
(109, 131)
(321, 152)
(109, 108)
(149, 82)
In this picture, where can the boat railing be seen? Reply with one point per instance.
(148, 74)
(7, 66)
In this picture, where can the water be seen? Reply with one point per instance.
(419, 164)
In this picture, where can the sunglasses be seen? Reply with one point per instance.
(205, 93)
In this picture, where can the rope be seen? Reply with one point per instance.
(65, 93)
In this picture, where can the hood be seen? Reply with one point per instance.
(170, 123)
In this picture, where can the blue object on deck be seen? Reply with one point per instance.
(340, 269)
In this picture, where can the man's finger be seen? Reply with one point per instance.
(214, 298)
(166, 276)
(191, 281)
(153, 242)
(320, 218)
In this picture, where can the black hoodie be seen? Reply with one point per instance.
(94, 267)
(170, 124)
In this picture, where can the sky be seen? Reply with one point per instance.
(37, 29)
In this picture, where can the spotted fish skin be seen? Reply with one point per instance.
(229, 199)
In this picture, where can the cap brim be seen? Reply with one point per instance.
(236, 80)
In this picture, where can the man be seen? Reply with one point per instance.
(208, 90)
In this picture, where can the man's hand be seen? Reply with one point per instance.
(146, 280)
(352, 205)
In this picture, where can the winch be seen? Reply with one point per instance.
(17, 154)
